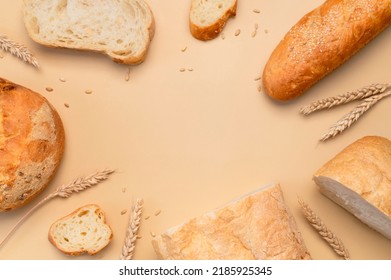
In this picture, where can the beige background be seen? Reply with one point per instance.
(188, 142)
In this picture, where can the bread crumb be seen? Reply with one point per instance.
(66, 105)
(257, 11)
(157, 213)
(88, 91)
(153, 234)
(123, 212)
(49, 89)
(62, 80)
(237, 32)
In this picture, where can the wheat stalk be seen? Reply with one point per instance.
(131, 233)
(330, 102)
(18, 50)
(64, 191)
(353, 115)
(322, 229)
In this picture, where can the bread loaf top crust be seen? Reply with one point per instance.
(364, 167)
(256, 226)
(31, 144)
(320, 42)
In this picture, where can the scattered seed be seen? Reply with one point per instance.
(153, 234)
(88, 91)
(1, 55)
(223, 36)
(254, 33)
(257, 78)
(62, 80)
(123, 212)
(237, 32)
(184, 49)
(66, 105)
(127, 76)
(157, 213)
(257, 11)
(139, 237)
(123, 190)
(266, 31)
(49, 89)
(182, 70)
(256, 26)
(190, 69)
(147, 217)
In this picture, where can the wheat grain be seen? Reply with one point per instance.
(353, 115)
(18, 50)
(335, 243)
(64, 191)
(131, 233)
(330, 102)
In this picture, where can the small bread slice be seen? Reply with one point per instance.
(255, 226)
(208, 17)
(121, 29)
(83, 231)
(359, 180)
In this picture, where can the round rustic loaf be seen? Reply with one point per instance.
(31, 144)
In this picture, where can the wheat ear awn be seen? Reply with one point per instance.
(353, 115)
(131, 233)
(330, 102)
(18, 50)
(64, 191)
(335, 243)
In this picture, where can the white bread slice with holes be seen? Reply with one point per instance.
(257, 225)
(83, 231)
(359, 180)
(121, 29)
(208, 17)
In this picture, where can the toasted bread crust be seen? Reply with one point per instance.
(320, 42)
(32, 141)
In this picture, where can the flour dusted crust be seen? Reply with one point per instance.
(256, 226)
(359, 179)
(320, 42)
(31, 144)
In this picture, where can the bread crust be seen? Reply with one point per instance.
(256, 226)
(32, 141)
(320, 42)
(365, 168)
(210, 32)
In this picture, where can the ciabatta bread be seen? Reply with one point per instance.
(320, 42)
(255, 226)
(208, 17)
(359, 179)
(83, 231)
(121, 29)
(31, 144)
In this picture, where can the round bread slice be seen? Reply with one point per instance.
(31, 144)
(83, 231)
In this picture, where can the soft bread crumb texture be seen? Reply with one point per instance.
(122, 29)
(359, 179)
(31, 144)
(83, 231)
(320, 42)
(256, 226)
(208, 17)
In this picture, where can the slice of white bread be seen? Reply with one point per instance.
(121, 29)
(83, 231)
(255, 226)
(359, 179)
(208, 17)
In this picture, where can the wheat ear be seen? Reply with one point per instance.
(18, 50)
(353, 115)
(322, 229)
(64, 191)
(131, 233)
(330, 102)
